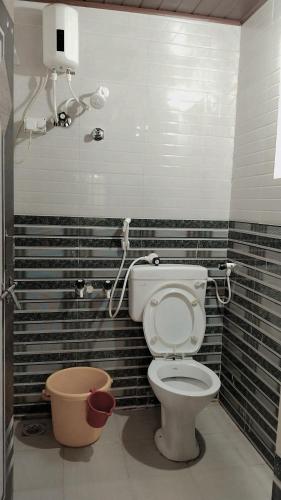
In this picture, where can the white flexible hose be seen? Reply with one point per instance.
(72, 91)
(54, 87)
(111, 313)
(75, 97)
(221, 301)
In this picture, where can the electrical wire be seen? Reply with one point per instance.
(40, 88)
(38, 91)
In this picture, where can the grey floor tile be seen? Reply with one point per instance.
(166, 489)
(246, 450)
(38, 469)
(47, 494)
(111, 430)
(144, 460)
(126, 465)
(138, 424)
(101, 490)
(218, 453)
(264, 475)
(45, 441)
(231, 483)
(103, 461)
(213, 419)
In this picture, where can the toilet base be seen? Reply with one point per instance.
(189, 449)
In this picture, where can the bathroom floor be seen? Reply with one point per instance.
(125, 465)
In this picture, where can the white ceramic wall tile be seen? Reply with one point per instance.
(169, 121)
(256, 196)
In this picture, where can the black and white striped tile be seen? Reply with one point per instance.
(251, 367)
(55, 330)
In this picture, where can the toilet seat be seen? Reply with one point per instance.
(161, 371)
(174, 321)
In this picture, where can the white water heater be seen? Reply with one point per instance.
(60, 37)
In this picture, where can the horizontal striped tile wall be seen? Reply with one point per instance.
(55, 330)
(251, 368)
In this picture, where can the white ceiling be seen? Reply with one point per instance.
(227, 10)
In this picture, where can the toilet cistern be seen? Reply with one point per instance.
(169, 300)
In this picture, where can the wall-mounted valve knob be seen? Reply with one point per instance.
(98, 134)
(226, 265)
(80, 288)
(107, 286)
(156, 261)
(64, 120)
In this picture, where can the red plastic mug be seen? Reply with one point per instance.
(100, 405)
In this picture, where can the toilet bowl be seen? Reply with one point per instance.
(169, 300)
(183, 387)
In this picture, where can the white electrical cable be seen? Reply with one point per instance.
(221, 301)
(40, 88)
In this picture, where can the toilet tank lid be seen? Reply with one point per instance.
(177, 272)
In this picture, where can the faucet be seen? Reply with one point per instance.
(83, 288)
(80, 288)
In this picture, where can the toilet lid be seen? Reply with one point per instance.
(174, 322)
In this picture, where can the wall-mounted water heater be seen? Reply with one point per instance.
(60, 38)
(61, 57)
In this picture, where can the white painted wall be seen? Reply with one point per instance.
(169, 123)
(256, 196)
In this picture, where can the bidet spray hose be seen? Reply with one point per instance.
(111, 313)
(221, 301)
(152, 258)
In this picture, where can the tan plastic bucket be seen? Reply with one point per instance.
(68, 391)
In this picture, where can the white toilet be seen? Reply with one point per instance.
(169, 299)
